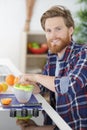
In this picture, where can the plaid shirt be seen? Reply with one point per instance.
(71, 103)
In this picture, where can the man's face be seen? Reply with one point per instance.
(57, 34)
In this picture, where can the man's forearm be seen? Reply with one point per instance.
(46, 81)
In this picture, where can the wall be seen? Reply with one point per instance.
(12, 18)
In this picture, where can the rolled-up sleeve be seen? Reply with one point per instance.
(62, 84)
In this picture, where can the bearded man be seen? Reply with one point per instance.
(65, 72)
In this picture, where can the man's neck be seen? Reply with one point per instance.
(60, 54)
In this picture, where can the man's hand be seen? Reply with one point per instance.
(25, 79)
(26, 124)
(31, 125)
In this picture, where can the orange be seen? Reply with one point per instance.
(5, 86)
(16, 80)
(1, 88)
(6, 101)
(10, 79)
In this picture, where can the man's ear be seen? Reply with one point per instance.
(71, 30)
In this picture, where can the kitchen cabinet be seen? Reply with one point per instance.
(32, 63)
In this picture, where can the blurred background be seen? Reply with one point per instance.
(12, 20)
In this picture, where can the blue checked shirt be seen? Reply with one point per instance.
(70, 84)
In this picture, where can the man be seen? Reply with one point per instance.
(65, 73)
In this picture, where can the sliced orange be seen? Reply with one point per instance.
(6, 101)
(10, 79)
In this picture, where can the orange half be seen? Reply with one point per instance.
(6, 101)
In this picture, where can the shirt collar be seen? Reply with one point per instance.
(68, 51)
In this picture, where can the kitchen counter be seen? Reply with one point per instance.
(49, 110)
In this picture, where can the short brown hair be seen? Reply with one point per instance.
(58, 11)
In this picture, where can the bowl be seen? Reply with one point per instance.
(23, 92)
(40, 50)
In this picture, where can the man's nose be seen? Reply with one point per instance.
(53, 34)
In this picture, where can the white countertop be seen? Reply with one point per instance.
(49, 110)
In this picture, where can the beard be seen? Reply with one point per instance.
(58, 47)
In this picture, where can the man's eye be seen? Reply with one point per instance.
(58, 29)
(48, 30)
